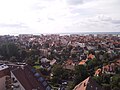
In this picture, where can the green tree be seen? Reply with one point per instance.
(23, 54)
(33, 53)
(30, 61)
(115, 82)
(81, 73)
(98, 79)
(59, 73)
(70, 86)
(116, 88)
(106, 86)
(8, 50)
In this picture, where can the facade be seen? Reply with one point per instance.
(29, 79)
(109, 69)
(21, 77)
(4, 73)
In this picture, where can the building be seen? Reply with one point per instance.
(28, 79)
(83, 62)
(69, 64)
(109, 69)
(21, 77)
(98, 72)
(4, 73)
(88, 84)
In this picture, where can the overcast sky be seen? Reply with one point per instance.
(59, 16)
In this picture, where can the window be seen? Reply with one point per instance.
(44, 83)
(36, 74)
(48, 88)
(41, 79)
(33, 70)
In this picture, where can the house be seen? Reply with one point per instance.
(69, 65)
(69, 62)
(98, 72)
(90, 56)
(88, 84)
(118, 63)
(26, 78)
(44, 60)
(4, 73)
(83, 62)
(109, 69)
(52, 62)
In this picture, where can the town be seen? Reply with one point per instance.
(60, 62)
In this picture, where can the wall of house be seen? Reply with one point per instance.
(2, 83)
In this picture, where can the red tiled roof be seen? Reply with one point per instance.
(82, 62)
(69, 62)
(110, 67)
(98, 71)
(91, 56)
(118, 62)
(27, 79)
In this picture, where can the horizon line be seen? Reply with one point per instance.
(17, 34)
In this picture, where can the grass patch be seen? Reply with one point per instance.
(37, 67)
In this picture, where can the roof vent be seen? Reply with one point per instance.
(38, 88)
(2, 66)
(22, 66)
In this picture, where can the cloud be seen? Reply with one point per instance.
(51, 19)
(115, 21)
(38, 7)
(42, 16)
(10, 25)
(109, 19)
(104, 18)
(117, 26)
(74, 2)
(79, 2)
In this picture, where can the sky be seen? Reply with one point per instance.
(59, 16)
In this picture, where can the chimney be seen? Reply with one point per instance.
(84, 84)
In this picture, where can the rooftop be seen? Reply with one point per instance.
(3, 66)
(88, 84)
(30, 79)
